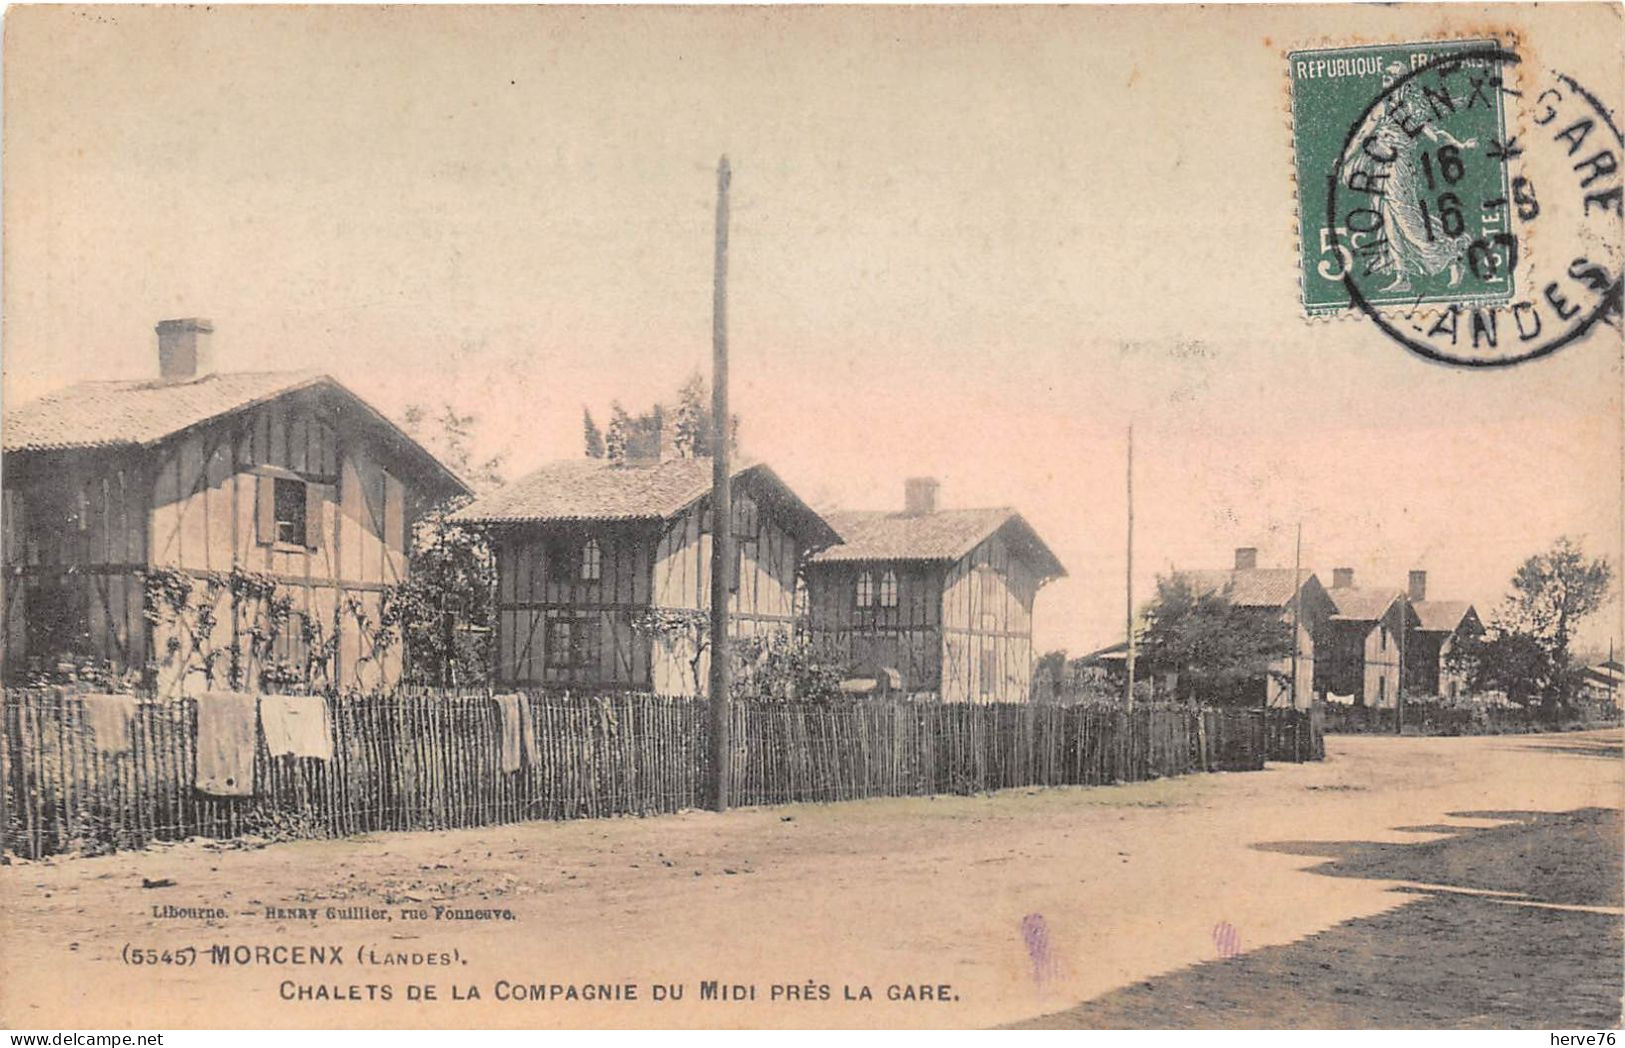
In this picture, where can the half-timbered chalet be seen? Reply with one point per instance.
(604, 569)
(286, 475)
(1362, 663)
(1441, 627)
(1289, 593)
(942, 597)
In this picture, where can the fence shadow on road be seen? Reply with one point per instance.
(1512, 926)
(1606, 748)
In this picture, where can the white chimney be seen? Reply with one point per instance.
(1342, 578)
(184, 352)
(1246, 558)
(1419, 586)
(920, 496)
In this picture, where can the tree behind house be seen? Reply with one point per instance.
(1220, 652)
(590, 436)
(446, 605)
(1526, 653)
(641, 436)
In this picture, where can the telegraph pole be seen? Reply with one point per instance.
(1297, 605)
(1128, 676)
(721, 506)
(1399, 689)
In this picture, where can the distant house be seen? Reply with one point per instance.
(1101, 666)
(284, 474)
(1441, 627)
(1101, 674)
(1361, 657)
(1602, 684)
(1286, 592)
(592, 553)
(942, 597)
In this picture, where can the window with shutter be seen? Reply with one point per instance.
(289, 497)
(265, 509)
(313, 516)
(287, 510)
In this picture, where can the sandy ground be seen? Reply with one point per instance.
(1492, 865)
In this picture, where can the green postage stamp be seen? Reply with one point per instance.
(1403, 200)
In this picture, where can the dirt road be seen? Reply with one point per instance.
(1439, 882)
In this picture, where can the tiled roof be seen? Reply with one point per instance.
(114, 414)
(1441, 616)
(592, 489)
(1110, 653)
(1250, 587)
(1360, 604)
(91, 415)
(874, 535)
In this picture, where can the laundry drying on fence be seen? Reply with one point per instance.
(226, 740)
(517, 742)
(108, 718)
(421, 760)
(296, 725)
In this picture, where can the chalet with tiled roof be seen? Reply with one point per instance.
(285, 474)
(1289, 593)
(1362, 651)
(942, 597)
(593, 555)
(1441, 627)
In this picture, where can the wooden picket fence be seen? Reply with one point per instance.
(416, 760)
(1295, 736)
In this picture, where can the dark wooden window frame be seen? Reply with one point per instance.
(888, 589)
(573, 642)
(292, 522)
(287, 513)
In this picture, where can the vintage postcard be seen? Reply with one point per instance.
(917, 517)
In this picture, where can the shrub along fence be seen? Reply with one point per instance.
(422, 760)
(1438, 718)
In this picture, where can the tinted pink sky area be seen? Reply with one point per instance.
(974, 245)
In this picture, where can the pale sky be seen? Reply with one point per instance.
(974, 244)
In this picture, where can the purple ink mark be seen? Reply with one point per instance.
(1227, 939)
(1036, 935)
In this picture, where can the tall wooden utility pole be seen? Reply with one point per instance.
(1297, 613)
(1128, 587)
(721, 507)
(1399, 689)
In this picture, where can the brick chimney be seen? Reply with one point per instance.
(1419, 586)
(1342, 578)
(1246, 558)
(920, 496)
(184, 352)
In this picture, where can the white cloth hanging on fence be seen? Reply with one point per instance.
(527, 731)
(298, 725)
(518, 735)
(226, 741)
(108, 717)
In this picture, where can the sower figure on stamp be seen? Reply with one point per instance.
(1413, 242)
